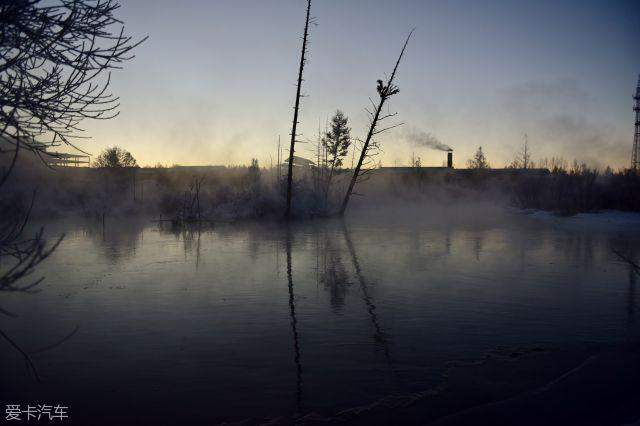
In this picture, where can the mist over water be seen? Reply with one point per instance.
(259, 320)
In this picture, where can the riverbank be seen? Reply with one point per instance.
(232, 193)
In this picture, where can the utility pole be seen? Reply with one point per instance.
(635, 155)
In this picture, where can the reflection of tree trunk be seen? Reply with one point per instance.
(379, 335)
(477, 245)
(198, 245)
(294, 323)
(634, 271)
(334, 276)
(631, 298)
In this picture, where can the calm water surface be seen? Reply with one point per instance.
(257, 320)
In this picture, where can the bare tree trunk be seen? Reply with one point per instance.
(329, 179)
(295, 111)
(279, 161)
(385, 93)
(318, 145)
(363, 154)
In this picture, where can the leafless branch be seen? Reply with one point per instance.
(56, 59)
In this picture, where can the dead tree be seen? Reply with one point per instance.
(296, 110)
(385, 91)
(191, 211)
(53, 60)
(55, 63)
(523, 158)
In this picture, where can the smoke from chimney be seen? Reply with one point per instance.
(426, 139)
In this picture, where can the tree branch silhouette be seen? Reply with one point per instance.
(296, 110)
(385, 91)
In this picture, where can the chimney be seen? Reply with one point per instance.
(450, 159)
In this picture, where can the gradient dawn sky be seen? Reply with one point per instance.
(215, 82)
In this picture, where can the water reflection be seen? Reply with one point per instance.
(380, 338)
(294, 321)
(631, 304)
(116, 239)
(447, 239)
(634, 273)
(627, 254)
(478, 241)
(375, 309)
(334, 275)
(190, 236)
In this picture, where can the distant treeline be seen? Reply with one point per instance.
(579, 189)
(230, 193)
(553, 187)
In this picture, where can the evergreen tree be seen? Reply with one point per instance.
(336, 142)
(478, 161)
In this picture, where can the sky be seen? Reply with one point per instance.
(215, 81)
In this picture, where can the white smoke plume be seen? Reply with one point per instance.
(426, 139)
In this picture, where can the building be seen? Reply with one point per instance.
(45, 152)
